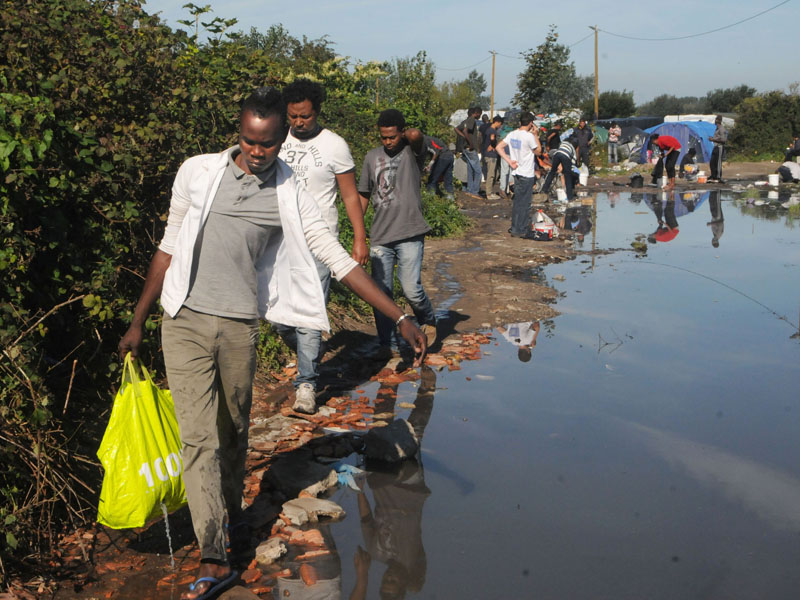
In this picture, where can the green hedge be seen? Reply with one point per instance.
(99, 105)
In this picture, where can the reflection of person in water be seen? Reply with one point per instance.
(393, 531)
(326, 569)
(717, 222)
(522, 335)
(667, 222)
(578, 219)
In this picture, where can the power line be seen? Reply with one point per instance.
(584, 38)
(684, 37)
(465, 68)
(508, 56)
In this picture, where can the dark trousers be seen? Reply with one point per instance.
(566, 166)
(442, 167)
(669, 164)
(786, 175)
(583, 156)
(715, 164)
(521, 205)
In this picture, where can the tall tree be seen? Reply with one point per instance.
(726, 100)
(476, 83)
(667, 104)
(409, 86)
(611, 103)
(549, 82)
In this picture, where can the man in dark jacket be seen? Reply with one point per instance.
(719, 138)
(584, 136)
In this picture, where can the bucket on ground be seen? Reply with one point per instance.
(774, 179)
(583, 178)
(561, 195)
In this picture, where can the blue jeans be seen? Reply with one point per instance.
(505, 175)
(521, 205)
(307, 342)
(407, 256)
(443, 167)
(473, 171)
(612, 152)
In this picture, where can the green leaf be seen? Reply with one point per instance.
(11, 540)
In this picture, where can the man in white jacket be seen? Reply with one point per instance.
(239, 245)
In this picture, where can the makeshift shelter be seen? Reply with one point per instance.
(690, 134)
(631, 142)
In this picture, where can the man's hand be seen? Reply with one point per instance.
(415, 338)
(130, 342)
(360, 252)
(514, 164)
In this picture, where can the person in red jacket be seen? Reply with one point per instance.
(670, 149)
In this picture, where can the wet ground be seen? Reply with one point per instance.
(649, 446)
(645, 446)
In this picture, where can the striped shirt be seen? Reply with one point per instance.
(568, 150)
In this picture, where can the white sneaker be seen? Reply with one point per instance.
(305, 399)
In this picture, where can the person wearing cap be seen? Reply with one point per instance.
(719, 138)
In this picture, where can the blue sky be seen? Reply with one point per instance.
(458, 36)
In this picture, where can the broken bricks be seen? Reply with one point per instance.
(308, 510)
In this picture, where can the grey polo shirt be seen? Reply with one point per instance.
(243, 221)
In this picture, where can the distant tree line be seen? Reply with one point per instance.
(765, 122)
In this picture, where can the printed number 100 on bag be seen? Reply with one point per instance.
(164, 469)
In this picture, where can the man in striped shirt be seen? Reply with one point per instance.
(565, 158)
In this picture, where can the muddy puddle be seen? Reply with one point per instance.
(644, 444)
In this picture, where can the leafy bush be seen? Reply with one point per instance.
(96, 115)
(764, 126)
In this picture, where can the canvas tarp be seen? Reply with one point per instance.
(690, 134)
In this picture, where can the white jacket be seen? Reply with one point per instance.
(289, 290)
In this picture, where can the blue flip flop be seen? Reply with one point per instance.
(217, 585)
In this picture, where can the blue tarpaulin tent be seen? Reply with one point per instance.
(691, 134)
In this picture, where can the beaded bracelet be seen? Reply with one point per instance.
(400, 320)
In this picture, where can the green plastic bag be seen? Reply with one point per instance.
(140, 452)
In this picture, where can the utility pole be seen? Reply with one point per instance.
(596, 83)
(491, 109)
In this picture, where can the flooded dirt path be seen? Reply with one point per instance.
(641, 444)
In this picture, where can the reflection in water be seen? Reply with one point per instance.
(717, 222)
(773, 495)
(667, 229)
(668, 207)
(393, 529)
(522, 335)
(326, 574)
(578, 219)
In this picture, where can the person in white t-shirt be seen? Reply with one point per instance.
(322, 163)
(519, 149)
(522, 335)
